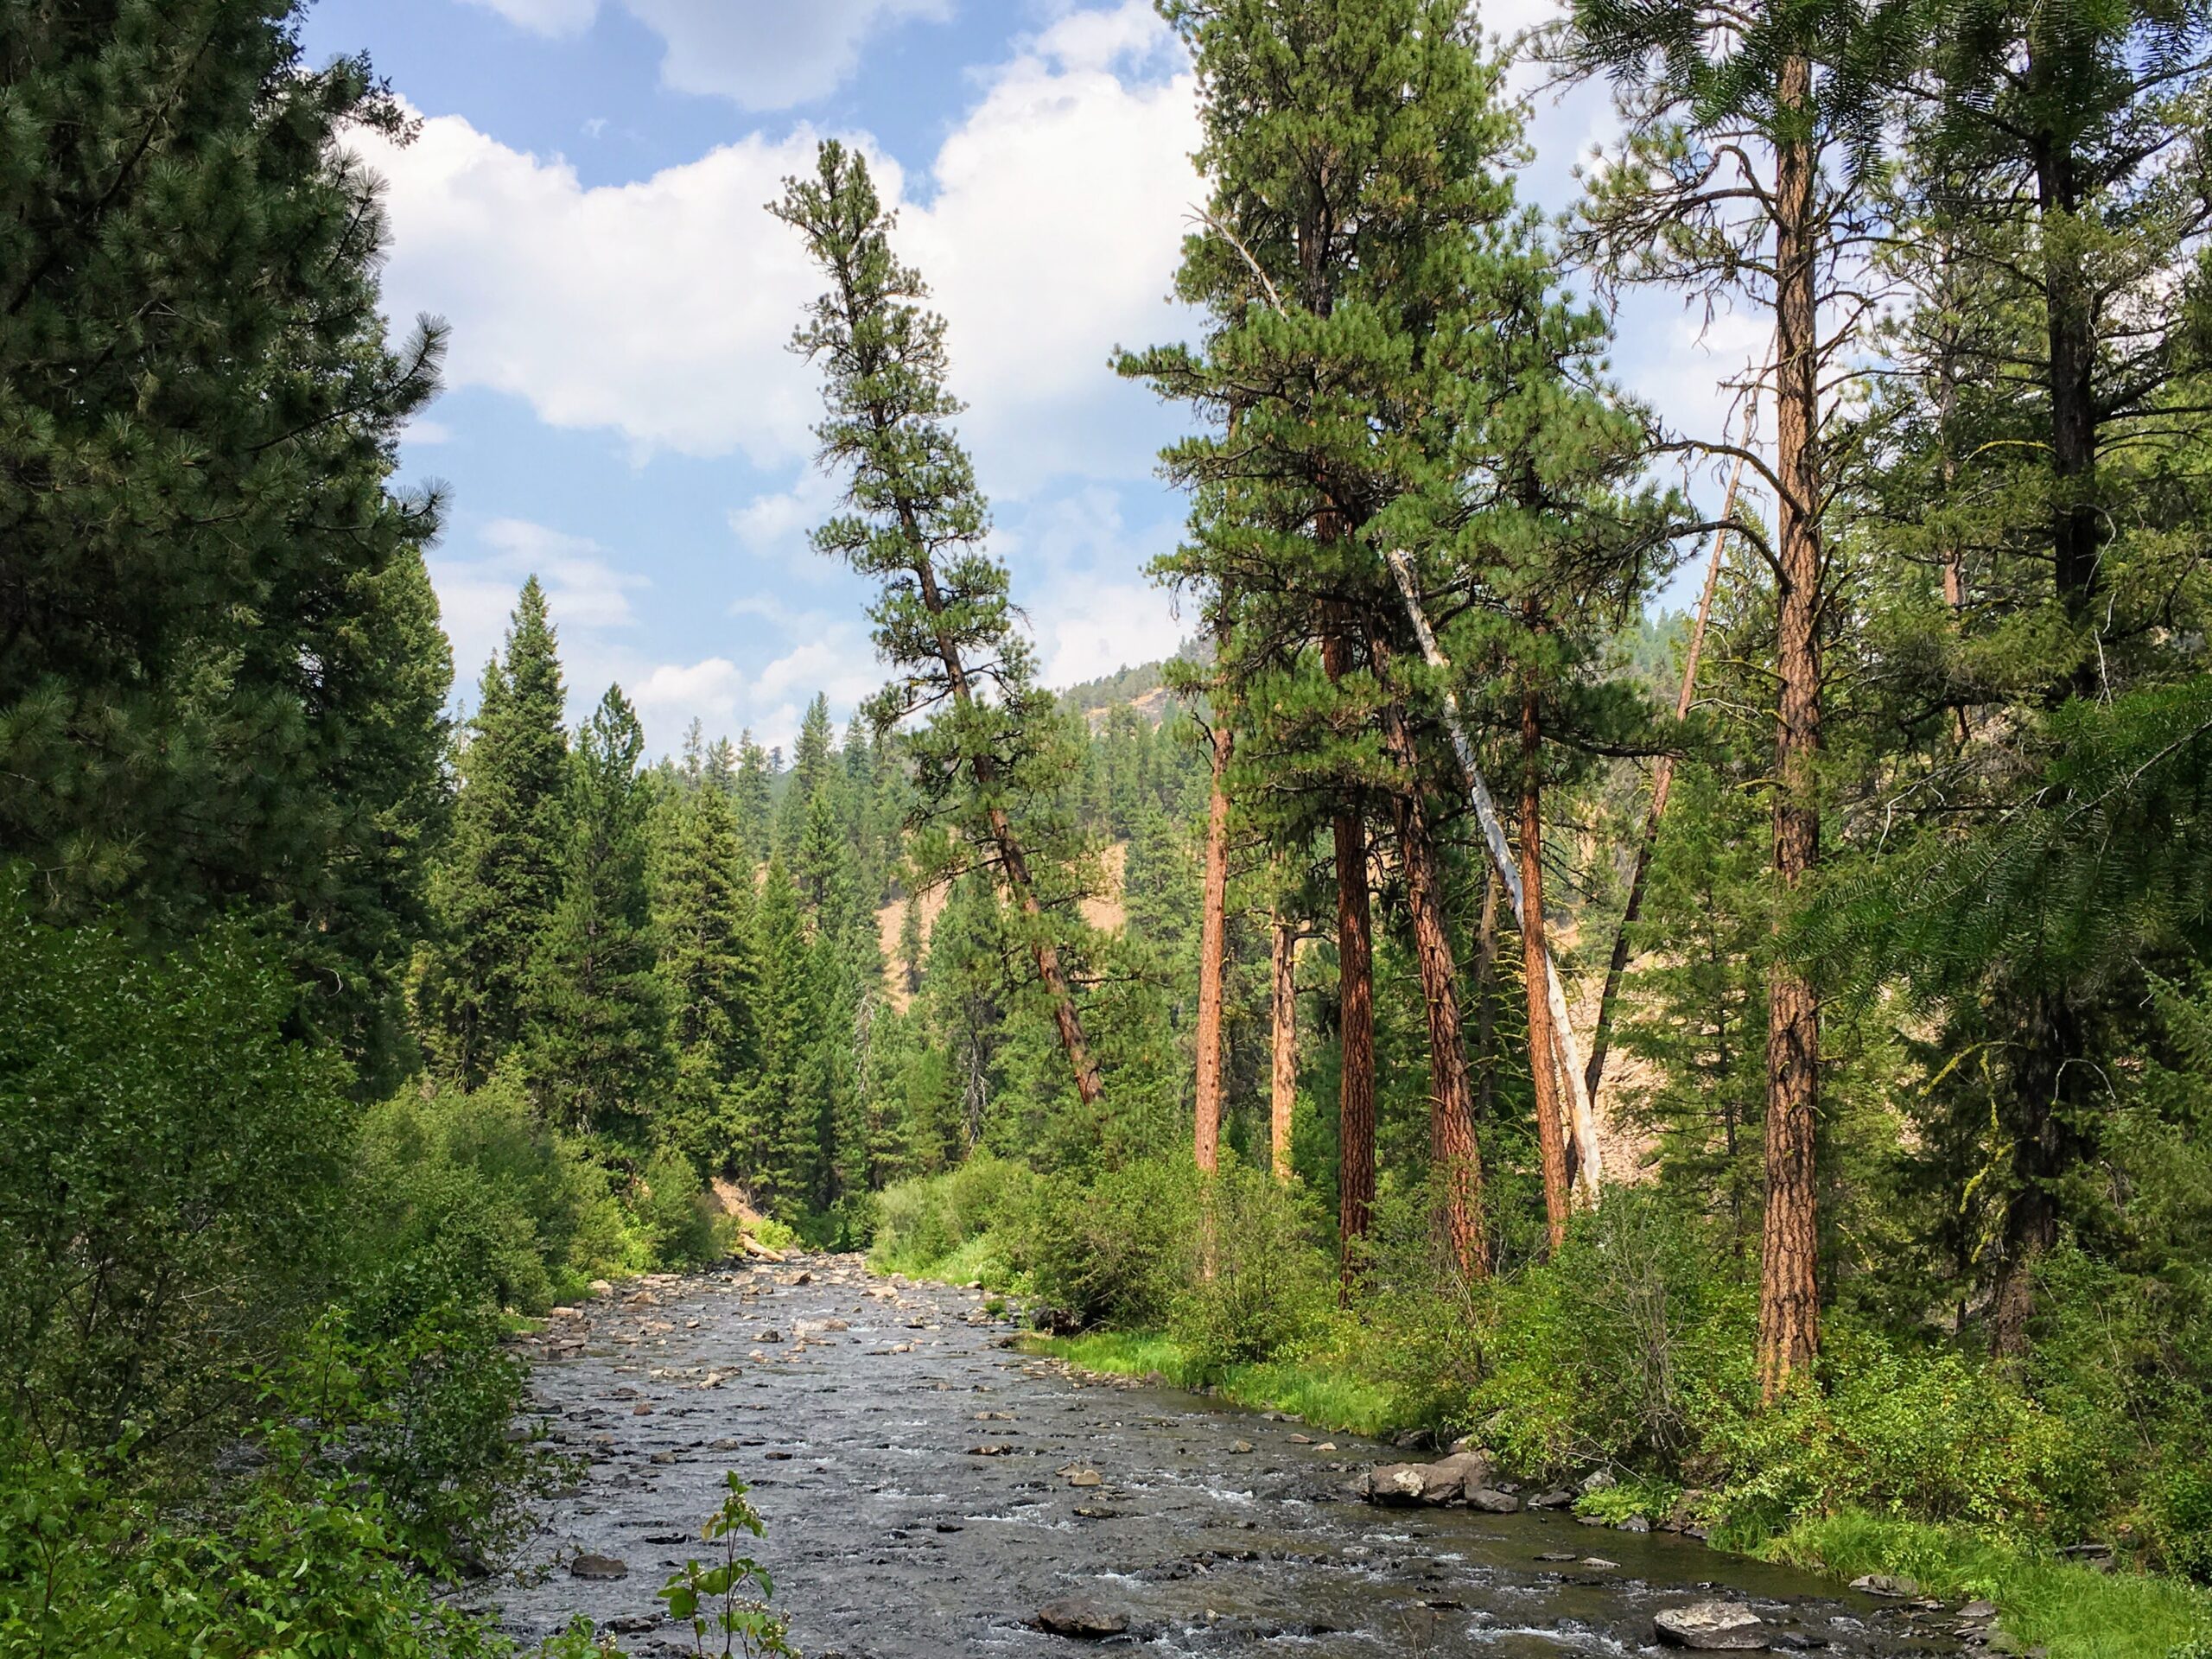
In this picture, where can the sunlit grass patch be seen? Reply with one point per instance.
(2074, 1611)
(1319, 1389)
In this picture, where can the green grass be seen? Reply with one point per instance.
(979, 1258)
(2074, 1611)
(1317, 1390)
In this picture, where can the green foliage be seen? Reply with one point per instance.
(596, 1021)
(923, 1221)
(1264, 1283)
(2074, 1611)
(1115, 1249)
(221, 677)
(716, 1600)
(168, 1199)
(499, 876)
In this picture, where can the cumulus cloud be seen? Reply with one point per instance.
(661, 310)
(770, 54)
(551, 17)
(762, 55)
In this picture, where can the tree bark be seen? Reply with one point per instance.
(1486, 1004)
(1454, 1156)
(1535, 962)
(1213, 934)
(1788, 1282)
(1283, 1035)
(1355, 1016)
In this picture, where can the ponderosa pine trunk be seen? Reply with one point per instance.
(1454, 1156)
(1282, 1039)
(1543, 1048)
(1355, 1015)
(1486, 1004)
(1213, 946)
(1789, 1275)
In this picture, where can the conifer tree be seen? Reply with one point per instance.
(753, 787)
(500, 875)
(596, 1017)
(944, 619)
(1745, 169)
(702, 916)
(788, 1117)
(221, 678)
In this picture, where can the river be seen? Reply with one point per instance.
(923, 1489)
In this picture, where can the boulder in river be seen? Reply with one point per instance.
(1711, 1627)
(1448, 1480)
(1492, 1502)
(1884, 1583)
(1079, 1617)
(598, 1567)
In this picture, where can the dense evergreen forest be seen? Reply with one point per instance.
(1759, 1054)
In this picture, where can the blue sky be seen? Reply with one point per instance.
(583, 206)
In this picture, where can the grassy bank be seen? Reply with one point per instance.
(1315, 1390)
(2077, 1612)
(2073, 1612)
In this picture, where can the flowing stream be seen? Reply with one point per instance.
(922, 1486)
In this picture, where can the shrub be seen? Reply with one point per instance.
(169, 1184)
(1264, 1286)
(921, 1222)
(1117, 1250)
(670, 1208)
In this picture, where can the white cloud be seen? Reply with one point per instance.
(587, 595)
(770, 54)
(762, 55)
(1090, 629)
(550, 17)
(661, 310)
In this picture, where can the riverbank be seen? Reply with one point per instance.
(2059, 1608)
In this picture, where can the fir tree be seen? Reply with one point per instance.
(500, 875)
(597, 1019)
(702, 915)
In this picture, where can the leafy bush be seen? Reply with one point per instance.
(921, 1222)
(1264, 1285)
(1117, 1250)
(669, 1206)
(169, 1189)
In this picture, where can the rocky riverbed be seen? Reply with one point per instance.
(929, 1490)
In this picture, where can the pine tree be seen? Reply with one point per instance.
(754, 786)
(1710, 96)
(944, 619)
(704, 921)
(221, 678)
(596, 1049)
(787, 1119)
(499, 877)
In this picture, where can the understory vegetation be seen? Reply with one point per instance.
(1758, 1053)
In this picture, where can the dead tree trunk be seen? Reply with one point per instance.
(1356, 1014)
(1662, 783)
(1551, 1128)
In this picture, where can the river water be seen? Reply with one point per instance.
(860, 1411)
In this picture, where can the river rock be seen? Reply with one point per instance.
(1557, 1499)
(598, 1567)
(1634, 1524)
(1600, 1480)
(1076, 1616)
(1884, 1583)
(1492, 1502)
(1711, 1627)
(1448, 1480)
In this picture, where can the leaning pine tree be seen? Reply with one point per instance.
(943, 619)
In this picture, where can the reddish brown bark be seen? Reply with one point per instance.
(1213, 933)
(1454, 1156)
(1789, 1281)
(1543, 1049)
(1355, 1017)
(1282, 1035)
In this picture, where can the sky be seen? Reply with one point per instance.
(583, 205)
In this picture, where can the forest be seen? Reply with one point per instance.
(1749, 1060)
